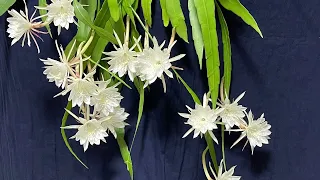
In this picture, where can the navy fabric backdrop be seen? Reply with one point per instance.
(280, 74)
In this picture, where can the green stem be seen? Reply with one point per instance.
(125, 153)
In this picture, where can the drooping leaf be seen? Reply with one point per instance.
(114, 9)
(64, 136)
(236, 7)
(82, 14)
(105, 34)
(191, 92)
(146, 8)
(5, 5)
(226, 50)
(125, 153)
(127, 6)
(139, 86)
(196, 31)
(84, 21)
(206, 16)
(165, 16)
(177, 18)
(212, 151)
(43, 3)
(103, 15)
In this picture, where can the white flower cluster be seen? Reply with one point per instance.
(85, 93)
(149, 64)
(203, 119)
(61, 12)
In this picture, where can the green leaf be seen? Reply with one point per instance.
(125, 153)
(5, 5)
(63, 133)
(177, 18)
(237, 8)
(105, 34)
(206, 16)
(43, 3)
(82, 14)
(146, 8)
(191, 92)
(126, 5)
(103, 15)
(139, 86)
(114, 9)
(165, 16)
(196, 31)
(212, 151)
(226, 50)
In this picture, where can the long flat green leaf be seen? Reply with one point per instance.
(196, 31)
(125, 153)
(64, 136)
(165, 16)
(114, 9)
(105, 34)
(206, 16)
(127, 7)
(226, 50)
(146, 8)
(139, 86)
(177, 19)
(43, 3)
(212, 151)
(191, 92)
(84, 21)
(5, 5)
(103, 15)
(237, 8)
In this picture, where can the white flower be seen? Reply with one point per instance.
(232, 113)
(57, 71)
(155, 61)
(106, 99)
(89, 132)
(227, 175)
(80, 90)
(257, 131)
(202, 119)
(115, 120)
(122, 60)
(20, 25)
(61, 12)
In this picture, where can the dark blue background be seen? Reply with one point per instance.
(280, 74)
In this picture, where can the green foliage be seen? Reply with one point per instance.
(226, 50)
(236, 7)
(165, 16)
(206, 16)
(146, 8)
(177, 18)
(114, 9)
(5, 5)
(125, 153)
(139, 86)
(64, 136)
(84, 17)
(196, 31)
(191, 92)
